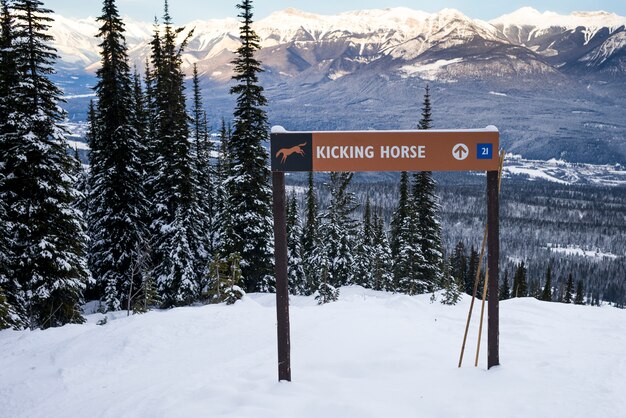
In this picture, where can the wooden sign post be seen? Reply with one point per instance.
(422, 150)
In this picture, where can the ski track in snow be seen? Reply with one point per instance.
(371, 354)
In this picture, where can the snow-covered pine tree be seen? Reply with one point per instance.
(117, 201)
(222, 223)
(338, 229)
(520, 285)
(426, 206)
(248, 188)
(546, 294)
(204, 192)
(472, 268)
(47, 239)
(225, 279)
(451, 288)
(569, 289)
(580, 294)
(204, 169)
(295, 272)
(400, 214)
(8, 317)
(363, 252)
(409, 260)
(382, 260)
(12, 313)
(309, 236)
(140, 116)
(458, 265)
(175, 210)
(505, 290)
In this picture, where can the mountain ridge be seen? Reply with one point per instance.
(561, 85)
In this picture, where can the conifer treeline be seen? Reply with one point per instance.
(463, 268)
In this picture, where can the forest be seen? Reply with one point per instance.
(161, 217)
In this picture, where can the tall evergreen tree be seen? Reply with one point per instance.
(546, 294)
(338, 230)
(407, 252)
(116, 184)
(472, 268)
(309, 235)
(569, 289)
(426, 119)
(458, 264)
(47, 240)
(176, 239)
(363, 274)
(382, 260)
(222, 219)
(400, 216)
(520, 286)
(295, 273)
(505, 291)
(428, 231)
(248, 188)
(12, 309)
(580, 293)
(204, 167)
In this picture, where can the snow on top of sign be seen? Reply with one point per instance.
(280, 130)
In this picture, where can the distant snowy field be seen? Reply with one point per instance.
(371, 354)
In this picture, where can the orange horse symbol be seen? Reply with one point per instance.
(286, 152)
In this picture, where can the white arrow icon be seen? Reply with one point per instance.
(460, 151)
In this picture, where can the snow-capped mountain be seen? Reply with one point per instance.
(402, 40)
(553, 84)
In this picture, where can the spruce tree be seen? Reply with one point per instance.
(426, 119)
(458, 264)
(204, 168)
(295, 273)
(47, 240)
(505, 291)
(407, 253)
(546, 294)
(173, 182)
(569, 288)
(520, 286)
(338, 230)
(309, 235)
(428, 229)
(364, 250)
(400, 215)
(117, 198)
(12, 313)
(580, 294)
(248, 188)
(472, 269)
(222, 221)
(382, 260)
(452, 290)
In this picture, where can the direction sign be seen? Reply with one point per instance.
(421, 150)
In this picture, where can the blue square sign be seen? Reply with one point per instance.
(484, 151)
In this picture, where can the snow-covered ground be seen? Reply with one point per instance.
(371, 354)
(575, 250)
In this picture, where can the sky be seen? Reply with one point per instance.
(187, 10)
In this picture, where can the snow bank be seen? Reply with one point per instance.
(371, 354)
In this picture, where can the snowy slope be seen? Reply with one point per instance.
(369, 355)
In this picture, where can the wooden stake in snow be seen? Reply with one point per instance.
(493, 205)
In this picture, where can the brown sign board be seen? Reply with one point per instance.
(420, 150)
